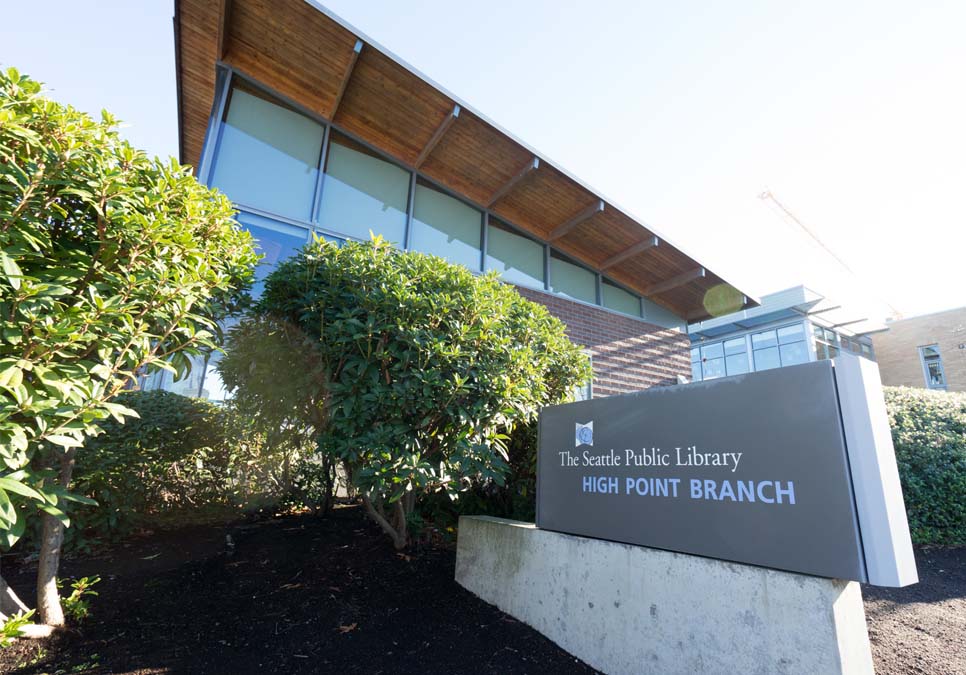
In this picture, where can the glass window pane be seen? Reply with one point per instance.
(712, 351)
(737, 363)
(618, 299)
(794, 353)
(735, 346)
(268, 156)
(572, 281)
(764, 339)
(275, 241)
(695, 355)
(696, 371)
(792, 333)
(821, 351)
(866, 349)
(518, 259)
(446, 227)
(713, 368)
(363, 193)
(935, 374)
(930, 351)
(766, 359)
(661, 316)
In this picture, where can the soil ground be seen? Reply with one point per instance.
(303, 594)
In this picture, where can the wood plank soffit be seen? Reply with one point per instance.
(675, 282)
(576, 219)
(345, 78)
(441, 130)
(629, 252)
(505, 189)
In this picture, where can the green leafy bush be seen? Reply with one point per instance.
(181, 456)
(929, 433)
(414, 367)
(110, 262)
(10, 628)
(77, 605)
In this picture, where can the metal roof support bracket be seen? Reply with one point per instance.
(576, 219)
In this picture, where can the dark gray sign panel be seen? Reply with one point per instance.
(751, 469)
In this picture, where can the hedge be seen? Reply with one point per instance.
(929, 432)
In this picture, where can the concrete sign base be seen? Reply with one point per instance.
(630, 609)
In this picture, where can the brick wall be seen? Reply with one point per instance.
(897, 349)
(628, 354)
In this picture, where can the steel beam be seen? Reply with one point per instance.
(576, 219)
(224, 27)
(437, 136)
(525, 171)
(675, 282)
(629, 252)
(345, 78)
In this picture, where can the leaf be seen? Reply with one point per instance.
(56, 513)
(65, 441)
(11, 485)
(11, 269)
(79, 499)
(348, 628)
(8, 514)
(11, 377)
(11, 536)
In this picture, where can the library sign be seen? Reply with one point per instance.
(791, 468)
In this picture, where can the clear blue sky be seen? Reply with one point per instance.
(852, 113)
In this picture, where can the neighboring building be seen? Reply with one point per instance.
(925, 351)
(793, 326)
(310, 127)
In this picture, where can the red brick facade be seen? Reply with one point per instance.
(628, 354)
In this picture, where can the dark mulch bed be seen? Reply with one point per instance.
(921, 628)
(302, 594)
(299, 594)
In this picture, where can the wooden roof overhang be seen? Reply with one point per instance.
(315, 60)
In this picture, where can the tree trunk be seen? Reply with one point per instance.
(48, 599)
(396, 530)
(10, 604)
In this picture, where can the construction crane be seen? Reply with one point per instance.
(768, 196)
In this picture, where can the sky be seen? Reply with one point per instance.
(851, 114)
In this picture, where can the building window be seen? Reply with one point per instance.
(932, 367)
(765, 349)
(619, 300)
(268, 156)
(736, 356)
(696, 364)
(712, 361)
(363, 192)
(571, 280)
(826, 343)
(446, 227)
(517, 258)
(656, 314)
(792, 346)
(274, 241)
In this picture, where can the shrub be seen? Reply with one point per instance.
(110, 262)
(416, 367)
(929, 433)
(179, 455)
